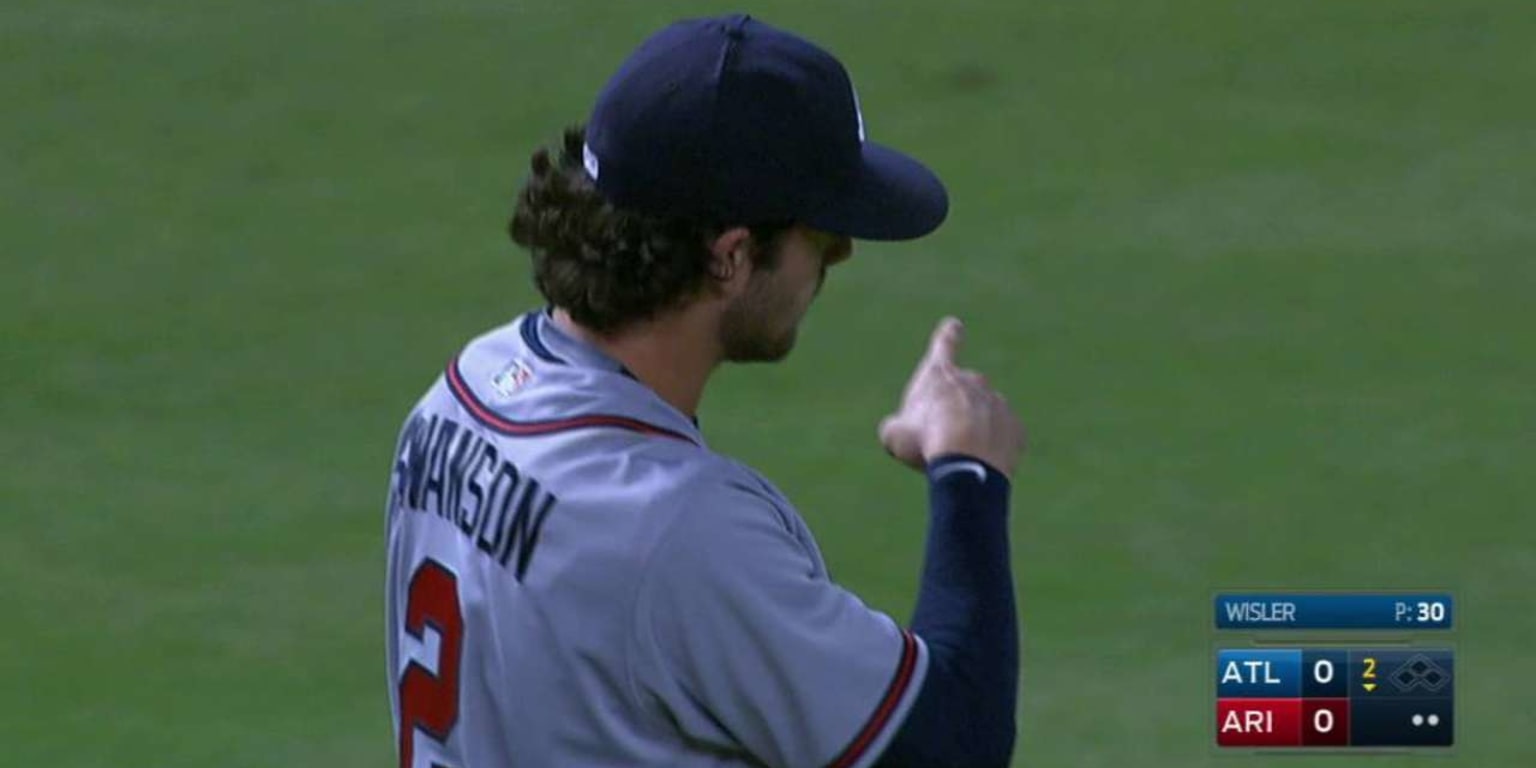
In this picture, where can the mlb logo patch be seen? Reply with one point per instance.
(511, 379)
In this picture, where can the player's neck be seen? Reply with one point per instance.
(672, 355)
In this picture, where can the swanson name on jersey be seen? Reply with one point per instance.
(446, 470)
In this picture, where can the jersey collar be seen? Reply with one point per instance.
(552, 344)
(544, 337)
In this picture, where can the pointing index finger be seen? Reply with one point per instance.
(945, 343)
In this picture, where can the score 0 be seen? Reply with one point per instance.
(1325, 698)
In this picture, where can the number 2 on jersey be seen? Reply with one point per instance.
(431, 702)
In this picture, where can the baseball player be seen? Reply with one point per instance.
(574, 577)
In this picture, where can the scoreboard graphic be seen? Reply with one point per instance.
(1384, 679)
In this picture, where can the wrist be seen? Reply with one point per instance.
(939, 464)
(966, 470)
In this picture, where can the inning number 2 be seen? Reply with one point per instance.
(430, 702)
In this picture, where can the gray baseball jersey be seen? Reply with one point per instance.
(575, 579)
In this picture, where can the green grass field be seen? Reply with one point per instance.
(1254, 275)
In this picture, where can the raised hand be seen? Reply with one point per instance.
(947, 409)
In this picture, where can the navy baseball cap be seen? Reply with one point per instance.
(732, 120)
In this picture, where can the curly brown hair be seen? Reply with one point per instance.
(609, 266)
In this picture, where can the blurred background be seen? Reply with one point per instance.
(1254, 275)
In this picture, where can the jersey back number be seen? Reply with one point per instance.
(428, 702)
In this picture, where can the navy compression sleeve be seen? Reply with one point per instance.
(964, 714)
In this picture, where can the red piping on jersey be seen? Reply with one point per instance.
(486, 416)
(882, 715)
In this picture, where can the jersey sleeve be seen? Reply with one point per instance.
(744, 644)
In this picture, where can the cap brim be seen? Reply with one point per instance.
(893, 197)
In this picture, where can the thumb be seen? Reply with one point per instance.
(901, 440)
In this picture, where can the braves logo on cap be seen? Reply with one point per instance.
(858, 111)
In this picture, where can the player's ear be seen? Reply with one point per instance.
(730, 259)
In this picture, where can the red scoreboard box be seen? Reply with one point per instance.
(1258, 722)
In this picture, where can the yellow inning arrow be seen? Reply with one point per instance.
(1369, 687)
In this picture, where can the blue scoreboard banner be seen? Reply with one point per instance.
(1336, 611)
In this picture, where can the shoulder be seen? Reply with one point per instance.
(729, 535)
(716, 493)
